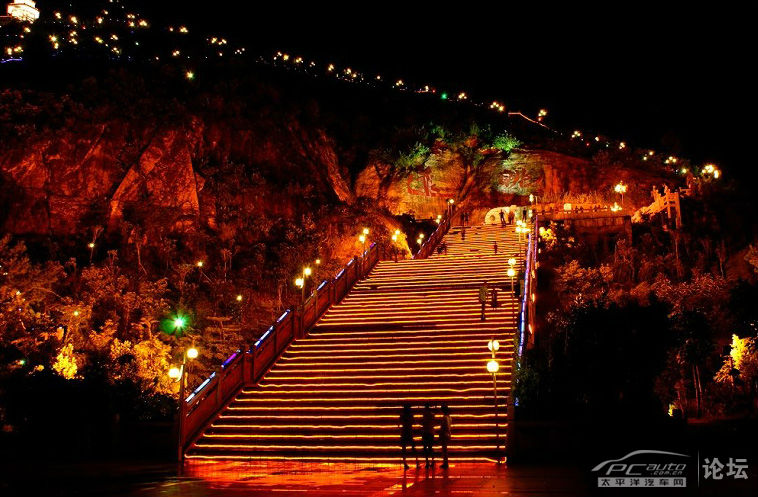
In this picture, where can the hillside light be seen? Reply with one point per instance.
(190, 75)
(91, 245)
(394, 238)
(620, 188)
(365, 231)
(307, 271)
(76, 313)
(362, 239)
(318, 262)
(239, 298)
(179, 322)
(199, 263)
(192, 353)
(421, 236)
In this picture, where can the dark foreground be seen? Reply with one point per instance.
(253, 479)
(261, 478)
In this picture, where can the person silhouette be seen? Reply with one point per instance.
(444, 433)
(427, 434)
(483, 291)
(406, 433)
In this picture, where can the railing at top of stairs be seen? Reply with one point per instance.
(427, 248)
(246, 367)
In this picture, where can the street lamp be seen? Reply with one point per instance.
(494, 346)
(450, 203)
(511, 274)
(492, 368)
(300, 283)
(180, 374)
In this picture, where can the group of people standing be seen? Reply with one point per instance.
(484, 295)
(509, 214)
(428, 424)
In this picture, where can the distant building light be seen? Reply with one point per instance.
(23, 10)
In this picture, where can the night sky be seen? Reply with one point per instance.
(675, 80)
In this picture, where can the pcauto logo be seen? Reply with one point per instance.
(644, 468)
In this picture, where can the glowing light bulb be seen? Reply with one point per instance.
(493, 366)
(192, 353)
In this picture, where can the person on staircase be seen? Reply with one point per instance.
(494, 297)
(427, 434)
(511, 216)
(494, 246)
(445, 425)
(502, 217)
(483, 290)
(406, 433)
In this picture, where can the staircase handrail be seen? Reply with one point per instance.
(245, 367)
(427, 248)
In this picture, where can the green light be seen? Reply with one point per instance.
(22, 362)
(179, 322)
(443, 96)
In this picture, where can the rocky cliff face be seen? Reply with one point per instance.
(206, 166)
(57, 181)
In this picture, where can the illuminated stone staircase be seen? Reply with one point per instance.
(410, 332)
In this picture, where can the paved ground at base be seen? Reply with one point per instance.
(320, 479)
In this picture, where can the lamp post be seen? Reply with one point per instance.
(450, 203)
(511, 274)
(300, 283)
(180, 374)
(493, 367)
(315, 274)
